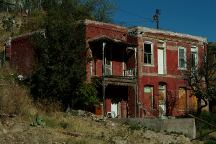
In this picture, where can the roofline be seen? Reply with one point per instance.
(10, 39)
(146, 29)
(87, 21)
(27, 34)
(107, 38)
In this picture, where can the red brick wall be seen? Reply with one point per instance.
(96, 29)
(148, 74)
(21, 55)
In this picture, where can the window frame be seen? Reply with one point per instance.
(185, 58)
(151, 98)
(152, 53)
(194, 49)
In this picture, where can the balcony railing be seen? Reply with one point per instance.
(130, 72)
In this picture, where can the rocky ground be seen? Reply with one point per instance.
(62, 128)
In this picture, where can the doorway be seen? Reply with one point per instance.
(162, 100)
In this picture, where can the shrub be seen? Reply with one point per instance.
(86, 95)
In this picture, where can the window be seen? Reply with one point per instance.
(181, 57)
(148, 53)
(194, 57)
(108, 67)
(182, 99)
(108, 62)
(148, 91)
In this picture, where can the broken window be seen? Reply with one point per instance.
(181, 57)
(148, 53)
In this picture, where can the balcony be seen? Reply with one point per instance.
(130, 72)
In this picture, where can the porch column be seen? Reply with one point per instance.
(136, 75)
(103, 82)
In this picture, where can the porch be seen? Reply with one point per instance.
(114, 64)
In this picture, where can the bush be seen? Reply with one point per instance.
(86, 95)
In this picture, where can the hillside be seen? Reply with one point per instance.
(62, 128)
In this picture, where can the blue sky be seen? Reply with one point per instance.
(195, 17)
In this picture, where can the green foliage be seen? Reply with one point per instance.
(208, 116)
(8, 23)
(135, 126)
(87, 94)
(60, 50)
(210, 141)
(102, 10)
(33, 22)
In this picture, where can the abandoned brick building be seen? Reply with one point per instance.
(140, 68)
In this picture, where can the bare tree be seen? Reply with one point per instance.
(201, 78)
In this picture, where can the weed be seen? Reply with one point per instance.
(51, 122)
(135, 126)
(64, 125)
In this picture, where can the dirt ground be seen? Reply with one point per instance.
(62, 128)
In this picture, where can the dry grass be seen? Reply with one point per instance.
(59, 127)
(14, 99)
(48, 106)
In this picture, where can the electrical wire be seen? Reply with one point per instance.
(138, 18)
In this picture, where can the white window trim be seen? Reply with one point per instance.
(195, 49)
(165, 56)
(152, 50)
(185, 58)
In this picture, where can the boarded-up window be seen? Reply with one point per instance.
(182, 99)
(162, 100)
(193, 103)
(148, 91)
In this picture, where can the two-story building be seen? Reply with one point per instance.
(139, 69)
(143, 68)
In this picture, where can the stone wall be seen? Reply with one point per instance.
(184, 126)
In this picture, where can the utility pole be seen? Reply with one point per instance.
(156, 17)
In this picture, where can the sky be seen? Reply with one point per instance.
(195, 17)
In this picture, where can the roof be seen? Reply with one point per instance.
(104, 38)
(140, 30)
(87, 21)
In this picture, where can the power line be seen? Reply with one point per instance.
(141, 18)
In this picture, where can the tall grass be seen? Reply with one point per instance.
(14, 99)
